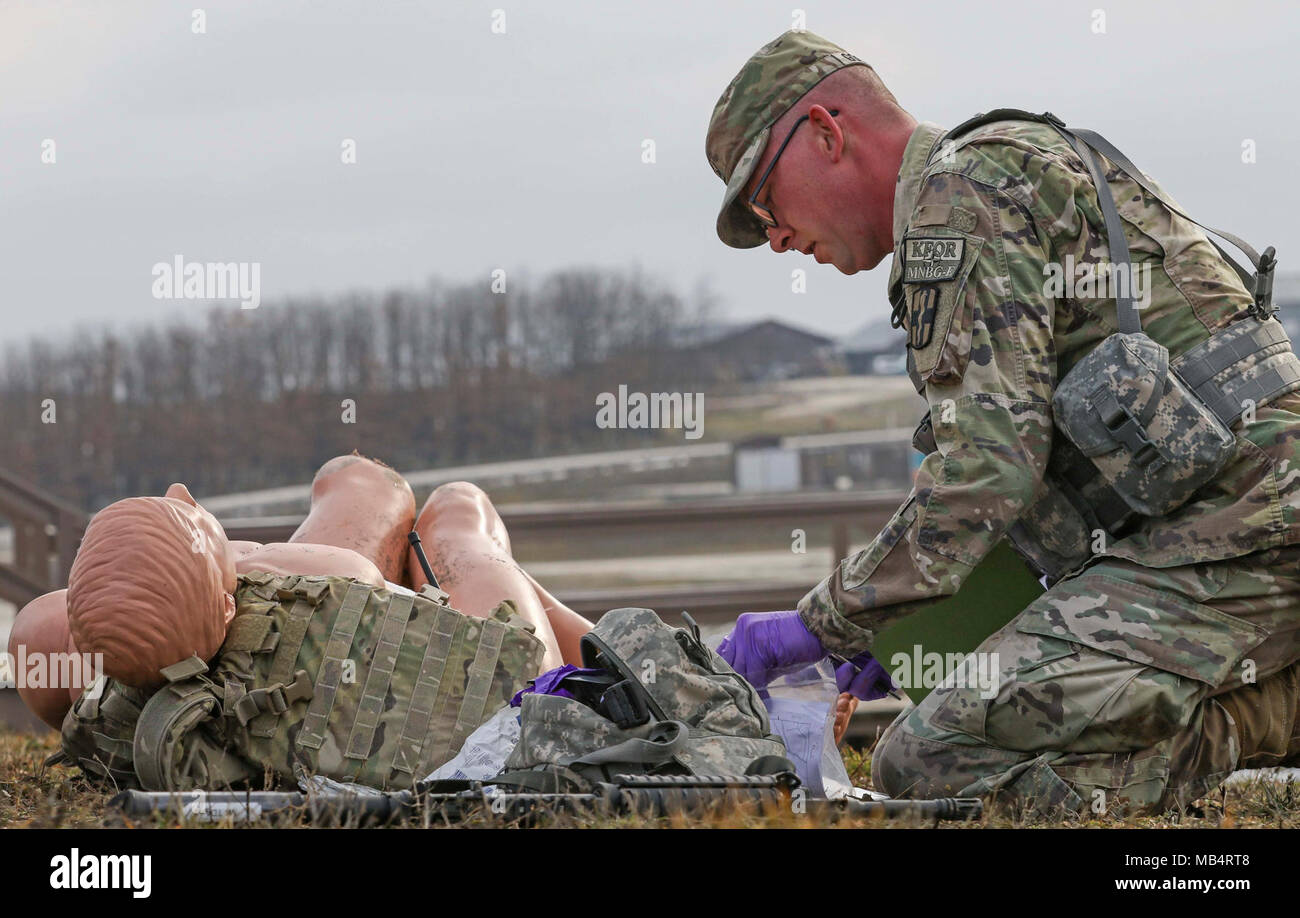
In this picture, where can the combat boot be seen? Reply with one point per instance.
(1265, 716)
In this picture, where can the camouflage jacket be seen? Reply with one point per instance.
(984, 229)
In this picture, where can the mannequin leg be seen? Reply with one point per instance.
(469, 551)
(361, 504)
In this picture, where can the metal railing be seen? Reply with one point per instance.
(46, 532)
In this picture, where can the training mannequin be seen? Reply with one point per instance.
(361, 512)
(154, 580)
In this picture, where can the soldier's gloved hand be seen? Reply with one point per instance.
(864, 678)
(765, 645)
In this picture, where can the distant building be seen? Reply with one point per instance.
(875, 349)
(765, 464)
(764, 350)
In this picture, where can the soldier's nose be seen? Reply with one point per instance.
(780, 237)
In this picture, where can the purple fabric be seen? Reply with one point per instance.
(763, 645)
(864, 678)
(548, 683)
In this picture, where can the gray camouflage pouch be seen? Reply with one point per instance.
(1151, 438)
(682, 709)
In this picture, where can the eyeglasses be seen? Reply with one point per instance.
(763, 211)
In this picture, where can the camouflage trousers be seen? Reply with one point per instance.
(1122, 685)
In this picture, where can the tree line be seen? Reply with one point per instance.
(444, 375)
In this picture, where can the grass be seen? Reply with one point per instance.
(32, 795)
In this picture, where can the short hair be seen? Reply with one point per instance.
(861, 83)
(143, 592)
(872, 85)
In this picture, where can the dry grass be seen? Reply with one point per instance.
(31, 795)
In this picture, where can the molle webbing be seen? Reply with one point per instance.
(382, 664)
(1248, 361)
(441, 725)
(304, 595)
(456, 714)
(98, 731)
(478, 682)
(251, 634)
(330, 671)
(433, 668)
(111, 718)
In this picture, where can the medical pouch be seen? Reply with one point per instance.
(1151, 438)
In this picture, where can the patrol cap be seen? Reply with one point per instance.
(778, 75)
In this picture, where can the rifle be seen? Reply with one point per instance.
(652, 796)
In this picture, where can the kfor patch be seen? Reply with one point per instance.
(931, 259)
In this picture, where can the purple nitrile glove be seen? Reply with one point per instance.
(550, 683)
(864, 678)
(763, 645)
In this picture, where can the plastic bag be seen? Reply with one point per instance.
(485, 750)
(801, 707)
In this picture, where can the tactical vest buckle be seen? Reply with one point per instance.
(624, 705)
(1264, 284)
(274, 699)
(185, 669)
(1127, 430)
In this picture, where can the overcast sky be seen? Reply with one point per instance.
(523, 150)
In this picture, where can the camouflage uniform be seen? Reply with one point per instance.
(1119, 678)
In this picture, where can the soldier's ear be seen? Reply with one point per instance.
(182, 493)
(830, 133)
(230, 608)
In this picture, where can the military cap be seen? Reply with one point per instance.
(778, 75)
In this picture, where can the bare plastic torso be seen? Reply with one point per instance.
(285, 558)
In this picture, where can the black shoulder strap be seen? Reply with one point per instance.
(1088, 144)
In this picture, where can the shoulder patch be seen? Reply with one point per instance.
(922, 308)
(961, 219)
(932, 259)
(937, 264)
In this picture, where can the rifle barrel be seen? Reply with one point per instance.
(650, 799)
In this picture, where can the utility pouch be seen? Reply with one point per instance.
(1151, 438)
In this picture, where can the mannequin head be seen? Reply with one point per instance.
(152, 584)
